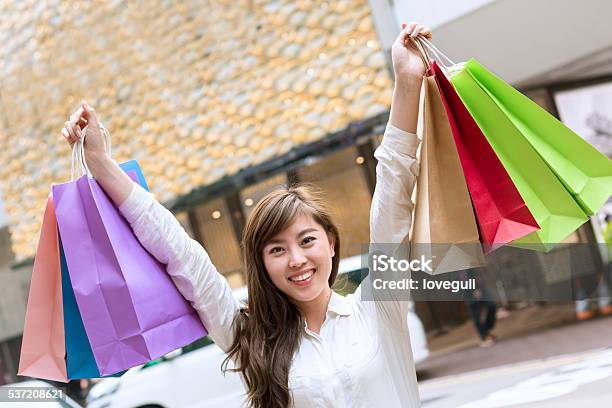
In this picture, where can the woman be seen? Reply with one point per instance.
(297, 343)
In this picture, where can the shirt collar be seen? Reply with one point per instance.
(339, 305)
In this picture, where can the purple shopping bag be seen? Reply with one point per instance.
(131, 310)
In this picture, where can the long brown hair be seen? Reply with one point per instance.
(267, 332)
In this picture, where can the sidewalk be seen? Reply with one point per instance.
(531, 333)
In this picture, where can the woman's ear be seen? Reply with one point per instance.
(332, 243)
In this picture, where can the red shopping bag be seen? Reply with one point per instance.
(501, 212)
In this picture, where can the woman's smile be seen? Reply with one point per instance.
(303, 278)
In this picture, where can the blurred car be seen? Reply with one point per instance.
(191, 377)
(65, 402)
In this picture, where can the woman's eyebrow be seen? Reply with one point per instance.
(280, 241)
(306, 231)
(275, 241)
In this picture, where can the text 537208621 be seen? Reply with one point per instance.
(30, 394)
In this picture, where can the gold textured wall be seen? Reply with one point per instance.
(194, 90)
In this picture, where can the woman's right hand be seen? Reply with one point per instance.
(84, 123)
(114, 181)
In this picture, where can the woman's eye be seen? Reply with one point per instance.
(308, 240)
(275, 250)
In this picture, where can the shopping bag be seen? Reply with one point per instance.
(133, 170)
(553, 207)
(585, 172)
(444, 228)
(42, 346)
(80, 361)
(550, 203)
(501, 212)
(131, 310)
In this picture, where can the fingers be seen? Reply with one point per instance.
(89, 114)
(68, 127)
(73, 127)
(67, 136)
(426, 33)
(401, 38)
(75, 118)
(75, 121)
(416, 29)
(410, 28)
(72, 130)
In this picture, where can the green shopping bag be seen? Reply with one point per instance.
(585, 172)
(553, 207)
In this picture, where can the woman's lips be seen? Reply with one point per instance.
(302, 279)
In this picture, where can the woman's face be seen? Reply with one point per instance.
(299, 259)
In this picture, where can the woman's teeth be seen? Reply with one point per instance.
(302, 277)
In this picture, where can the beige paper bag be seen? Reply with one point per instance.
(444, 227)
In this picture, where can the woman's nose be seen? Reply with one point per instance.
(296, 258)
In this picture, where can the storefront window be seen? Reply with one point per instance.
(377, 140)
(340, 177)
(587, 110)
(252, 194)
(540, 96)
(220, 241)
(183, 219)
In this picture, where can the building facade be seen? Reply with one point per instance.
(220, 103)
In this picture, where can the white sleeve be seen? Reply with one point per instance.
(390, 222)
(391, 211)
(186, 262)
(396, 173)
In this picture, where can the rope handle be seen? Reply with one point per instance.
(440, 57)
(447, 65)
(79, 164)
(421, 50)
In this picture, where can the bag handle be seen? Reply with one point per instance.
(442, 59)
(421, 50)
(79, 165)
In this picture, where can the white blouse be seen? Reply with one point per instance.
(362, 356)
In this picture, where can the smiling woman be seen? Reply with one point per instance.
(299, 258)
(291, 249)
(297, 342)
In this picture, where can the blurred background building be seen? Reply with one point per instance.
(221, 101)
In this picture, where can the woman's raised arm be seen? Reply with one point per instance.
(396, 173)
(391, 215)
(409, 70)
(159, 232)
(397, 168)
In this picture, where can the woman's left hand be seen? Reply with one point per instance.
(407, 62)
